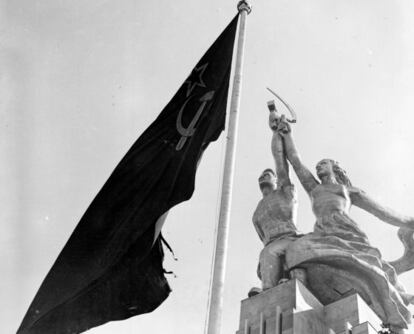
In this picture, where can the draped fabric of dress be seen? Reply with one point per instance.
(340, 261)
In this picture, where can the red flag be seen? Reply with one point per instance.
(110, 268)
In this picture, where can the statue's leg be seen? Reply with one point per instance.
(271, 271)
(271, 264)
(299, 274)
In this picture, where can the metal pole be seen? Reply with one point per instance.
(220, 254)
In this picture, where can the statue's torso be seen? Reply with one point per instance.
(275, 214)
(328, 199)
(331, 204)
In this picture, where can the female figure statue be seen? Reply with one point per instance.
(337, 255)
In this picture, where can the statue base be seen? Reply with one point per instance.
(290, 308)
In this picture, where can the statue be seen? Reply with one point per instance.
(337, 255)
(275, 215)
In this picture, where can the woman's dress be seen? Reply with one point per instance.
(340, 261)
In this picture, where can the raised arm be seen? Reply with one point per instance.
(306, 178)
(387, 215)
(278, 151)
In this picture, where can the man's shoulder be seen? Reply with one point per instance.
(285, 189)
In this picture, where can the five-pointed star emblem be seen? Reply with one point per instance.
(196, 78)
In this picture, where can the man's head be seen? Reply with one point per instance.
(267, 181)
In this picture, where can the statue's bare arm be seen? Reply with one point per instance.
(306, 178)
(360, 199)
(282, 167)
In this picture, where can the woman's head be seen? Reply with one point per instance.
(327, 167)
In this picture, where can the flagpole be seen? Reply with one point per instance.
(220, 253)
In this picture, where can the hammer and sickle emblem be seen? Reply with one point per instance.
(189, 131)
(288, 107)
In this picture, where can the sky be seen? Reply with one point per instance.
(81, 80)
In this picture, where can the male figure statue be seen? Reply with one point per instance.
(275, 215)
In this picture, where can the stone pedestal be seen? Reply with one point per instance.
(290, 308)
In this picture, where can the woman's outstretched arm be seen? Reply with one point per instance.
(387, 215)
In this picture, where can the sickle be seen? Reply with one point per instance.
(288, 107)
(189, 131)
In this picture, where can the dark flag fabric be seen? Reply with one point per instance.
(111, 267)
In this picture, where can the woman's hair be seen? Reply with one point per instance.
(340, 174)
